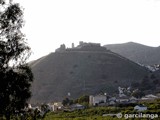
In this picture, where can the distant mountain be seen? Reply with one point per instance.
(80, 72)
(137, 52)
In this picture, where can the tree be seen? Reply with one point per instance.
(15, 75)
(45, 109)
(83, 99)
(67, 101)
(138, 94)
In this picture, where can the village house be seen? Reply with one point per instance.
(123, 99)
(111, 103)
(97, 99)
(149, 97)
(140, 108)
(77, 107)
(55, 106)
(33, 107)
(112, 99)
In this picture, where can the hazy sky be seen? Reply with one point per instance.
(50, 23)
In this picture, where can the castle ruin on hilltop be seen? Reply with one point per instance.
(83, 46)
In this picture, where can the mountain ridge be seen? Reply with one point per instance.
(133, 43)
(136, 52)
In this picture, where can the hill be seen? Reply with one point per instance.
(157, 73)
(137, 52)
(80, 72)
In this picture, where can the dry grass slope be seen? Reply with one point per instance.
(81, 72)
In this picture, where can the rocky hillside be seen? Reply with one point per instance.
(137, 52)
(81, 72)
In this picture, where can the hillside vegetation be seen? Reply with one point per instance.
(96, 113)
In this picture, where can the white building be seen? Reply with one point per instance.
(95, 100)
(55, 106)
(149, 97)
(140, 108)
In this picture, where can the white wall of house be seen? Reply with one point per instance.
(93, 100)
(55, 106)
(140, 108)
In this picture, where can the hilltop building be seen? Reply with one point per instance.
(83, 46)
(72, 45)
(62, 48)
